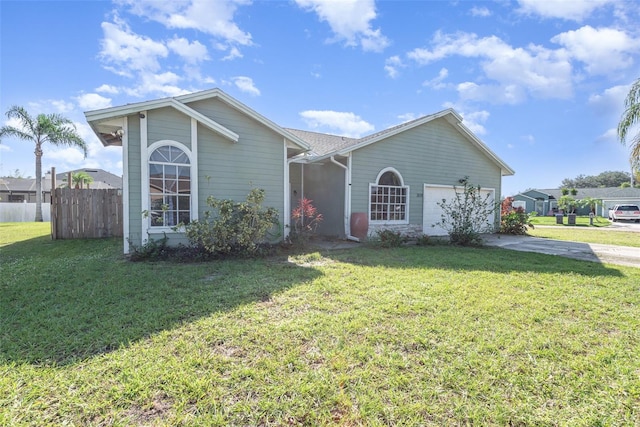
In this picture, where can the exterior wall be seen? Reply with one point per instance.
(434, 153)
(169, 124)
(229, 171)
(135, 181)
(530, 204)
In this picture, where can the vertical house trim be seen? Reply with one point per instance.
(194, 169)
(287, 194)
(125, 184)
(144, 174)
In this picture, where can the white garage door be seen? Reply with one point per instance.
(432, 213)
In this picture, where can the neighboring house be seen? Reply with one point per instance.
(178, 151)
(545, 202)
(23, 190)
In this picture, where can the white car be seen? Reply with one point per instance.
(631, 212)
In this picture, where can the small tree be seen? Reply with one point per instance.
(466, 216)
(567, 204)
(591, 202)
(306, 220)
(80, 179)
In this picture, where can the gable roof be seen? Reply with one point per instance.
(105, 116)
(596, 193)
(324, 146)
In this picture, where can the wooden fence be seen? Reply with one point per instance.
(86, 213)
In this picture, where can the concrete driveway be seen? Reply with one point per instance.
(621, 255)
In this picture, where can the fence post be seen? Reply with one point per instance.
(52, 207)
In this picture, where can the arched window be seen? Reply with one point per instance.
(169, 187)
(388, 198)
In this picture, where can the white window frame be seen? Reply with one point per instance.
(150, 150)
(373, 185)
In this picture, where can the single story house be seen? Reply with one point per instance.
(545, 202)
(177, 151)
(23, 190)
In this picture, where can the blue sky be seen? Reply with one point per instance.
(542, 83)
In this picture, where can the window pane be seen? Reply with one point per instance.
(184, 203)
(184, 172)
(171, 186)
(155, 185)
(184, 217)
(155, 170)
(184, 187)
(170, 171)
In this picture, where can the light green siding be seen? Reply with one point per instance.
(230, 170)
(135, 180)
(168, 124)
(434, 153)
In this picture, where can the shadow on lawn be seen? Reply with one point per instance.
(64, 301)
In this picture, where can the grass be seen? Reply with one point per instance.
(583, 232)
(410, 336)
(581, 221)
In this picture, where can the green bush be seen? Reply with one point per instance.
(515, 222)
(236, 228)
(390, 239)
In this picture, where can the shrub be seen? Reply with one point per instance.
(390, 239)
(465, 217)
(515, 221)
(306, 220)
(238, 228)
(151, 250)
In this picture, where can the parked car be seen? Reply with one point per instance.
(618, 212)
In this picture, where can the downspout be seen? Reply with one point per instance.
(347, 199)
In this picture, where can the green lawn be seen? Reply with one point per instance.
(583, 232)
(431, 335)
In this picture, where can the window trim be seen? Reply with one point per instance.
(150, 150)
(407, 197)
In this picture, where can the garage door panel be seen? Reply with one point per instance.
(432, 212)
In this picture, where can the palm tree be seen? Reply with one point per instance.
(631, 117)
(52, 128)
(80, 179)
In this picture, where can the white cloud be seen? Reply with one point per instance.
(391, 66)
(234, 53)
(124, 51)
(407, 117)
(482, 12)
(343, 123)
(610, 101)
(575, 10)
(47, 106)
(350, 21)
(93, 101)
(603, 50)
(245, 84)
(210, 17)
(515, 72)
(475, 121)
(164, 84)
(437, 82)
(105, 88)
(191, 52)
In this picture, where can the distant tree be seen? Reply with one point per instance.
(52, 128)
(605, 179)
(631, 117)
(80, 179)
